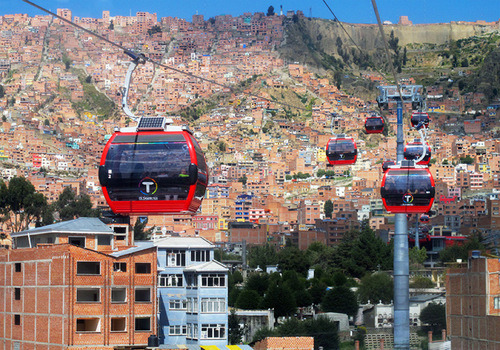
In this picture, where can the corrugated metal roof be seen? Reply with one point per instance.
(79, 226)
(213, 265)
(140, 246)
(183, 242)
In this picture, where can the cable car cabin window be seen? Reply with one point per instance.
(147, 169)
(405, 189)
(200, 157)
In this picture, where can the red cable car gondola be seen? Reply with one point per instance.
(153, 169)
(374, 124)
(413, 151)
(341, 150)
(407, 189)
(418, 117)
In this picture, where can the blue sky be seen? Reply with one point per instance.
(353, 11)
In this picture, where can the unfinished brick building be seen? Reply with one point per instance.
(62, 296)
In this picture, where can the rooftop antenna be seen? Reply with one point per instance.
(310, 12)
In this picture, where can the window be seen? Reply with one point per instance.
(213, 280)
(78, 241)
(200, 255)
(142, 268)
(192, 331)
(213, 305)
(88, 325)
(177, 304)
(213, 331)
(496, 303)
(118, 324)
(176, 257)
(177, 330)
(103, 239)
(191, 280)
(170, 280)
(143, 295)
(17, 320)
(118, 295)
(17, 293)
(192, 305)
(120, 267)
(88, 295)
(88, 268)
(17, 267)
(142, 324)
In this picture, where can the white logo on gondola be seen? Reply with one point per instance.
(150, 186)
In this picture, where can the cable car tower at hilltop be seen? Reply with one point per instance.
(405, 173)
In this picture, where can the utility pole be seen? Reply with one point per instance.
(401, 259)
(401, 255)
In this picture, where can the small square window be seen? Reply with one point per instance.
(119, 295)
(142, 268)
(143, 295)
(120, 267)
(142, 324)
(118, 324)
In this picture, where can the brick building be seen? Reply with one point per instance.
(68, 297)
(473, 303)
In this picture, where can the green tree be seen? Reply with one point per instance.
(340, 299)
(70, 206)
(20, 204)
(362, 252)
(243, 179)
(222, 147)
(393, 42)
(270, 11)
(317, 291)
(421, 282)
(324, 331)
(234, 329)
(280, 299)
(2, 91)
(451, 254)
(111, 26)
(292, 258)
(375, 287)
(435, 316)
(262, 256)
(258, 282)
(236, 277)
(248, 299)
(328, 208)
(337, 76)
(417, 257)
(139, 233)
(467, 160)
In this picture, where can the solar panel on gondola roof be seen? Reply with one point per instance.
(151, 123)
